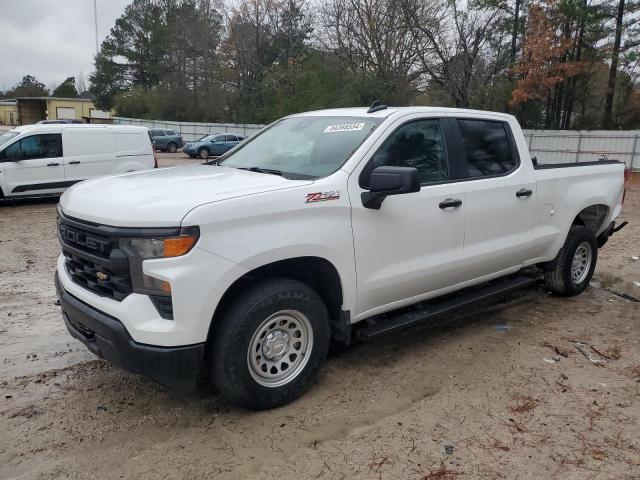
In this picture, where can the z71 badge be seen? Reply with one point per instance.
(322, 196)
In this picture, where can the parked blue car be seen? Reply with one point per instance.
(166, 140)
(212, 145)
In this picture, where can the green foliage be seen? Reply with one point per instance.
(28, 87)
(66, 89)
(255, 61)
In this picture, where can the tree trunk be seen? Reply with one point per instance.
(607, 121)
(514, 32)
(573, 83)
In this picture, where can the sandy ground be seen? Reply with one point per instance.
(484, 395)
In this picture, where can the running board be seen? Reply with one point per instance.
(436, 308)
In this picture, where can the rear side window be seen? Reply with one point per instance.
(487, 148)
(230, 138)
(418, 144)
(170, 132)
(35, 146)
(157, 133)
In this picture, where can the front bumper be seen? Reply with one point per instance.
(190, 150)
(176, 367)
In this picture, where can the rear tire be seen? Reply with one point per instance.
(269, 343)
(172, 148)
(575, 263)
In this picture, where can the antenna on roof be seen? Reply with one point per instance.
(376, 106)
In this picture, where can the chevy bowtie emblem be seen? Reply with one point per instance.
(102, 276)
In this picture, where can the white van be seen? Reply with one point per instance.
(38, 160)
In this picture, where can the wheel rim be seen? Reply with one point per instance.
(204, 153)
(172, 148)
(581, 263)
(280, 348)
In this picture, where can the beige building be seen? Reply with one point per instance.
(33, 109)
(8, 113)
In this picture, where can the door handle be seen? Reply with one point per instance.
(53, 164)
(75, 162)
(524, 192)
(450, 203)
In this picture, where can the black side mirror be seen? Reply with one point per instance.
(385, 181)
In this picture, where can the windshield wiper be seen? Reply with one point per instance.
(263, 170)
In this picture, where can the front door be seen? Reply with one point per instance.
(413, 244)
(34, 165)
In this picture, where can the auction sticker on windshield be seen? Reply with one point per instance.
(345, 127)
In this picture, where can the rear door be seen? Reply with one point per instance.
(88, 153)
(231, 141)
(413, 244)
(501, 196)
(222, 144)
(34, 165)
(133, 150)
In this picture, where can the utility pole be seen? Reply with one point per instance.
(95, 21)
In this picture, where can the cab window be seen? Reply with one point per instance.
(34, 147)
(418, 144)
(487, 148)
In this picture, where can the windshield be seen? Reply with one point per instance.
(303, 147)
(6, 136)
(208, 138)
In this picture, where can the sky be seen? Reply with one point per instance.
(51, 39)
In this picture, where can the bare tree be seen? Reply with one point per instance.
(451, 44)
(371, 36)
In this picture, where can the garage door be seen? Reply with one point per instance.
(65, 112)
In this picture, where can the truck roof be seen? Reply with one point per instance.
(389, 111)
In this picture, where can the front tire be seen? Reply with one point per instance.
(575, 263)
(269, 343)
(172, 148)
(203, 153)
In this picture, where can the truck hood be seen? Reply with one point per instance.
(162, 197)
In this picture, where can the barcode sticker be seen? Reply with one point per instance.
(344, 127)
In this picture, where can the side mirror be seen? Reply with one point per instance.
(385, 181)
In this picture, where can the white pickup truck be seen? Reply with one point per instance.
(334, 224)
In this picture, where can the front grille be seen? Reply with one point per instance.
(84, 272)
(95, 244)
(93, 259)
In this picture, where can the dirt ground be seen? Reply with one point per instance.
(498, 392)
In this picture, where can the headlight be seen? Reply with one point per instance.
(139, 249)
